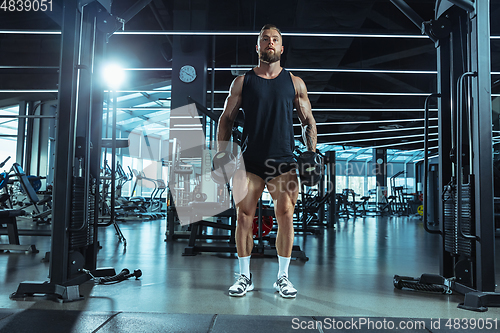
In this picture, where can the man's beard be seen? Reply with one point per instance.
(269, 57)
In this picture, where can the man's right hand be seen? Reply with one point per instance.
(223, 167)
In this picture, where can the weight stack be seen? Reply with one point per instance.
(454, 242)
(81, 230)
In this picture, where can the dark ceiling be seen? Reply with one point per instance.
(362, 102)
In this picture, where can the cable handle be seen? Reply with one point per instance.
(122, 276)
(3, 163)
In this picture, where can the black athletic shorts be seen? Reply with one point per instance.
(270, 168)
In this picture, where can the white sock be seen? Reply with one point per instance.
(284, 262)
(245, 266)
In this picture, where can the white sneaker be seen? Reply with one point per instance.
(285, 287)
(241, 286)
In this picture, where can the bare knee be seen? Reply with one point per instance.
(284, 218)
(245, 219)
(284, 208)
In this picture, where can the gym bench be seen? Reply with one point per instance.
(8, 217)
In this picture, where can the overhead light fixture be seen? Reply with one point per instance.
(356, 93)
(113, 75)
(227, 33)
(30, 32)
(148, 69)
(379, 139)
(29, 67)
(188, 125)
(385, 146)
(369, 110)
(142, 91)
(254, 33)
(7, 91)
(358, 110)
(242, 69)
(145, 108)
(370, 132)
(363, 93)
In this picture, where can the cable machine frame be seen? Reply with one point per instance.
(466, 219)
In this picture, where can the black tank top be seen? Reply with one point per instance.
(268, 108)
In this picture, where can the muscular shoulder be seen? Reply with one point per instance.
(237, 85)
(238, 81)
(298, 83)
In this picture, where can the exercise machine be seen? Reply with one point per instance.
(348, 206)
(460, 30)
(369, 208)
(28, 185)
(310, 210)
(75, 193)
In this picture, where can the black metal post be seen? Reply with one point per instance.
(212, 96)
(97, 98)
(331, 188)
(113, 159)
(21, 134)
(482, 165)
(63, 168)
(29, 139)
(321, 194)
(445, 81)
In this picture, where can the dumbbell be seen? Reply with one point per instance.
(224, 166)
(310, 166)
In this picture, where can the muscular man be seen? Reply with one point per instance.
(267, 94)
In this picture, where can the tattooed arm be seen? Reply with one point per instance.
(303, 106)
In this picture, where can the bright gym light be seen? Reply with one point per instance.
(113, 75)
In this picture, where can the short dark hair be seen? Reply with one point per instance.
(269, 26)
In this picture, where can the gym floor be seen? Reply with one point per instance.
(348, 277)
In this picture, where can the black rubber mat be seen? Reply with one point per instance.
(49, 321)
